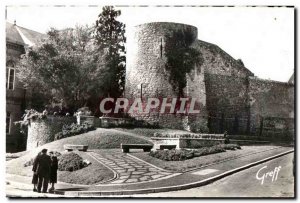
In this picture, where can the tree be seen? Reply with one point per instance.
(110, 38)
(181, 58)
(65, 67)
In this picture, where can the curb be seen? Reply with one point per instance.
(116, 176)
(172, 188)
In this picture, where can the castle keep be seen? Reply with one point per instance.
(229, 96)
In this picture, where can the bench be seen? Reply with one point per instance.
(167, 146)
(145, 147)
(71, 147)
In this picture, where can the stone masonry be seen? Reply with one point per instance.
(230, 97)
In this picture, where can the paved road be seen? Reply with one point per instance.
(245, 183)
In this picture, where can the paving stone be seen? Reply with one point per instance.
(144, 178)
(121, 171)
(131, 180)
(118, 181)
(131, 170)
(156, 176)
(137, 172)
(118, 168)
(124, 177)
(135, 176)
(124, 174)
(150, 174)
(153, 169)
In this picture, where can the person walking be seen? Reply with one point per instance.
(35, 176)
(43, 167)
(53, 171)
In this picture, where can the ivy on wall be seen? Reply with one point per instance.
(181, 58)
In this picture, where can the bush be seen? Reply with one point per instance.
(30, 162)
(188, 135)
(70, 162)
(74, 129)
(183, 154)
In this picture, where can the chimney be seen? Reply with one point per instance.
(15, 22)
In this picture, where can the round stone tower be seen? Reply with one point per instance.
(146, 75)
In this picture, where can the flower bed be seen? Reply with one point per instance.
(73, 129)
(183, 154)
(188, 135)
(187, 140)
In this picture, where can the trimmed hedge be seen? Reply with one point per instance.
(188, 135)
(74, 129)
(70, 162)
(183, 154)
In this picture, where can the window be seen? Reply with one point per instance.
(10, 80)
(8, 118)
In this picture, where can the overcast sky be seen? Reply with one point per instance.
(262, 37)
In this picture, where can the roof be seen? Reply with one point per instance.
(22, 36)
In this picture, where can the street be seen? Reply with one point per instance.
(246, 184)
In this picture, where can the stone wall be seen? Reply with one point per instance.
(227, 104)
(217, 61)
(271, 107)
(147, 77)
(42, 131)
(228, 96)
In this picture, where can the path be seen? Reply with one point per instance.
(129, 169)
(283, 186)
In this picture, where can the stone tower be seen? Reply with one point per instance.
(146, 75)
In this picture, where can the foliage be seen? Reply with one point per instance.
(70, 162)
(64, 68)
(30, 162)
(183, 154)
(29, 115)
(188, 135)
(181, 58)
(110, 38)
(74, 129)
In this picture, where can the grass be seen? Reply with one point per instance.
(98, 139)
(181, 166)
(90, 175)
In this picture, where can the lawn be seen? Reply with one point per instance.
(196, 162)
(98, 139)
(93, 174)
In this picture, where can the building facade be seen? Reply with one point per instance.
(17, 98)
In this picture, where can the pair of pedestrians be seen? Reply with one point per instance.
(44, 171)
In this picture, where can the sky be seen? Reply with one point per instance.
(263, 37)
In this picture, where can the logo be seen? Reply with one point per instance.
(145, 106)
(263, 174)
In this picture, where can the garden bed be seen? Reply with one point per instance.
(189, 164)
(183, 154)
(187, 140)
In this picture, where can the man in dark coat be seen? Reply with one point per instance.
(43, 167)
(35, 177)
